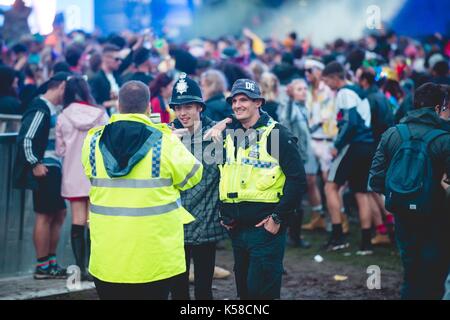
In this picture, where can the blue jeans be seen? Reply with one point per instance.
(258, 262)
(424, 247)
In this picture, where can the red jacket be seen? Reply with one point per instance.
(159, 107)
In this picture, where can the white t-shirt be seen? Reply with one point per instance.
(113, 83)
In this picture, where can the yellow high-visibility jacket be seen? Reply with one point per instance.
(251, 174)
(135, 216)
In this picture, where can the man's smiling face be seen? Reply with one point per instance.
(245, 108)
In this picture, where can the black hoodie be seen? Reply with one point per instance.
(124, 143)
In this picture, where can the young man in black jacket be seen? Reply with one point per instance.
(382, 118)
(262, 183)
(39, 168)
(423, 240)
(105, 84)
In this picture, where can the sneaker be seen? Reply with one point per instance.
(41, 273)
(56, 272)
(365, 250)
(380, 240)
(336, 245)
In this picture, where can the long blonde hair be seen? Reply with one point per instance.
(215, 80)
(269, 86)
(257, 68)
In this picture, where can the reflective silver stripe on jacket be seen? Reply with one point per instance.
(194, 170)
(134, 212)
(131, 183)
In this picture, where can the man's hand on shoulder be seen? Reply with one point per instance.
(215, 133)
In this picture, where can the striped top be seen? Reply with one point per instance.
(50, 157)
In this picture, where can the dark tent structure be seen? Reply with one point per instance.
(419, 18)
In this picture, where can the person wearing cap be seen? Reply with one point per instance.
(39, 168)
(202, 201)
(322, 122)
(261, 183)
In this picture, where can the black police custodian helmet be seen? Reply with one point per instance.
(186, 91)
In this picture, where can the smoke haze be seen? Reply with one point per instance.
(321, 20)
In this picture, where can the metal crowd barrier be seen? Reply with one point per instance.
(17, 254)
(9, 123)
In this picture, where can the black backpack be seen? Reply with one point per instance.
(410, 182)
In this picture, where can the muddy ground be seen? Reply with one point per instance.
(307, 279)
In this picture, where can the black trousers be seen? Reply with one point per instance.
(258, 262)
(158, 290)
(424, 246)
(204, 256)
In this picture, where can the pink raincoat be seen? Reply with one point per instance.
(71, 129)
